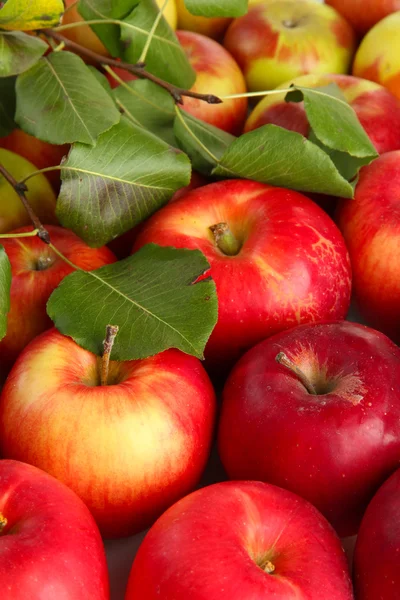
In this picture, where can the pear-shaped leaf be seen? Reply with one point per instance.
(217, 8)
(27, 15)
(155, 297)
(5, 286)
(19, 51)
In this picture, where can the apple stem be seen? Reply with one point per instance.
(282, 359)
(225, 239)
(111, 333)
(3, 523)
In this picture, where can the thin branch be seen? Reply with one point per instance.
(138, 70)
(20, 189)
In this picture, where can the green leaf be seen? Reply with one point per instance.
(7, 105)
(5, 286)
(153, 296)
(217, 8)
(148, 105)
(19, 51)
(284, 158)
(108, 189)
(165, 57)
(102, 79)
(204, 143)
(109, 33)
(60, 101)
(27, 15)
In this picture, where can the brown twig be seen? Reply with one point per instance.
(138, 69)
(20, 189)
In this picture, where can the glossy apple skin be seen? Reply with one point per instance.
(216, 73)
(293, 266)
(40, 153)
(333, 449)
(376, 108)
(218, 536)
(40, 194)
(364, 14)
(376, 559)
(50, 547)
(278, 41)
(36, 272)
(129, 449)
(378, 56)
(370, 224)
(211, 27)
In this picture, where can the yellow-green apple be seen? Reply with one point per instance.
(129, 449)
(370, 224)
(36, 272)
(276, 258)
(240, 540)
(49, 544)
(277, 41)
(216, 73)
(40, 194)
(316, 410)
(378, 542)
(376, 108)
(378, 56)
(211, 27)
(170, 12)
(363, 14)
(40, 153)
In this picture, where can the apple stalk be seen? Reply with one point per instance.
(283, 360)
(111, 334)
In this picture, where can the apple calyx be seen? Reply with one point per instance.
(225, 240)
(283, 360)
(43, 263)
(266, 564)
(111, 334)
(3, 523)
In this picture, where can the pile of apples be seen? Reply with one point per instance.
(307, 426)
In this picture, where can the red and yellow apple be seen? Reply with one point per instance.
(363, 14)
(277, 259)
(40, 153)
(129, 449)
(50, 546)
(36, 272)
(316, 410)
(370, 224)
(376, 108)
(211, 27)
(240, 541)
(378, 56)
(40, 194)
(216, 73)
(278, 41)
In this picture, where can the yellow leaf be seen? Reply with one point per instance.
(27, 15)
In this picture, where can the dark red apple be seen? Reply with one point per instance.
(240, 541)
(50, 546)
(324, 422)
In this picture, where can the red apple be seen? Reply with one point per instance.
(240, 541)
(316, 410)
(363, 14)
(129, 449)
(50, 546)
(281, 262)
(277, 41)
(376, 108)
(218, 74)
(371, 227)
(36, 272)
(377, 552)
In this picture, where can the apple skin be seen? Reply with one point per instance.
(334, 449)
(370, 224)
(211, 27)
(278, 41)
(129, 449)
(50, 547)
(376, 108)
(40, 153)
(213, 544)
(216, 73)
(40, 194)
(363, 14)
(378, 55)
(376, 564)
(293, 266)
(36, 272)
